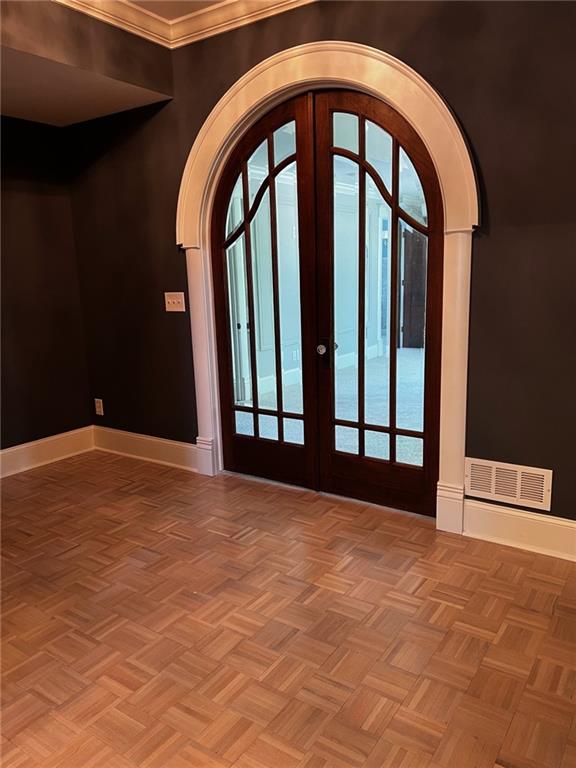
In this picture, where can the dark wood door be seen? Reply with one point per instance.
(264, 269)
(327, 265)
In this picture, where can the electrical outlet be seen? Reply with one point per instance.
(99, 406)
(174, 302)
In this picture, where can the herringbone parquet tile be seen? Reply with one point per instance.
(160, 619)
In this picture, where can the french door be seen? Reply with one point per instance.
(327, 266)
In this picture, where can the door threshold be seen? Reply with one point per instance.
(324, 494)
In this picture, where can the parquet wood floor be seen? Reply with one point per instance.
(160, 619)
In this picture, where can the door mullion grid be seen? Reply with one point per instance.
(361, 286)
(362, 425)
(275, 287)
(331, 214)
(269, 412)
(249, 274)
(394, 299)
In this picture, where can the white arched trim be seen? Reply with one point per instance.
(349, 65)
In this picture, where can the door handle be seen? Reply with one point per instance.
(322, 348)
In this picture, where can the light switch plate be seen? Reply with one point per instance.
(174, 302)
(99, 406)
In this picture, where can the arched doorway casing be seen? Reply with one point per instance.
(358, 67)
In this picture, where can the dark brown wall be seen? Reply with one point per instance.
(506, 70)
(57, 33)
(124, 205)
(45, 387)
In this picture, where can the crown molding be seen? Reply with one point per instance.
(206, 22)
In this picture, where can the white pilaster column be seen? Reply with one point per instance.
(455, 323)
(205, 360)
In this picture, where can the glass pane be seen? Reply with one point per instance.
(235, 213)
(284, 142)
(409, 450)
(412, 198)
(412, 328)
(377, 308)
(263, 289)
(346, 131)
(346, 209)
(347, 439)
(379, 152)
(238, 312)
(377, 445)
(294, 431)
(289, 288)
(257, 169)
(268, 427)
(244, 423)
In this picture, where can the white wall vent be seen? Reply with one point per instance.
(523, 486)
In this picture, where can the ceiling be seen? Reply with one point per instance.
(174, 23)
(173, 9)
(59, 93)
(46, 91)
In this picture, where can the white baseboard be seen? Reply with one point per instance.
(195, 458)
(267, 384)
(545, 534)
(19, 458)
(157, 449)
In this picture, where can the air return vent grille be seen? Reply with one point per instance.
(524, 486)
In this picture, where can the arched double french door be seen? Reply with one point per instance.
(327, 265)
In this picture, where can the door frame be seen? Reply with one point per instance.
(333, 64)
